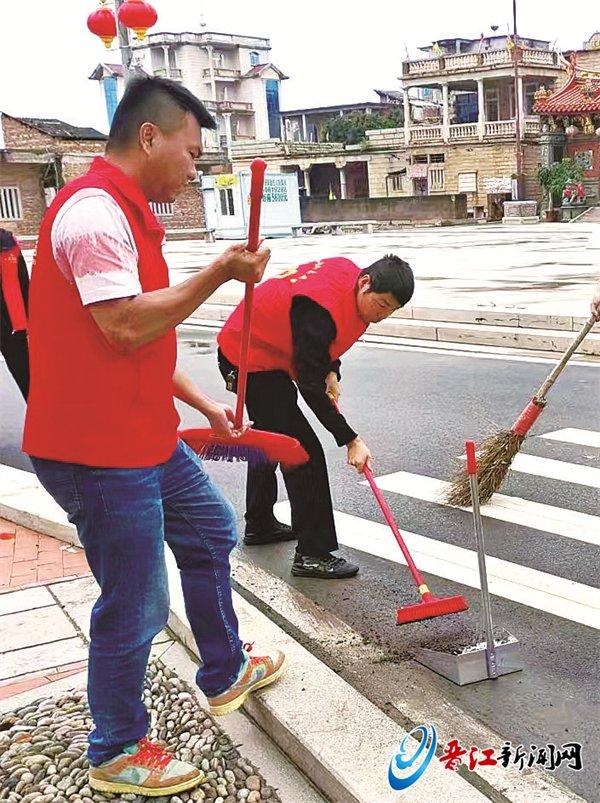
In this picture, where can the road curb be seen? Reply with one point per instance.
(551, 334)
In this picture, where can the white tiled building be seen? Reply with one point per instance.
(230, 73)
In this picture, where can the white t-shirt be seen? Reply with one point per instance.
(93, 246)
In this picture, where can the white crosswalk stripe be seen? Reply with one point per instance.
(545, 592)
(580, 437)
(555, 470)
(511, 509)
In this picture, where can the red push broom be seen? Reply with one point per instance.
(497, 452)
(430, 606)
(253, 446)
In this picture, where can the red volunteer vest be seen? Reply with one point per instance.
(88, 403)
(331, 283)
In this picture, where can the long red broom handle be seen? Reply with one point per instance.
(559, 367)
(257, 169)
(389, 517)
(385, 509)
(534, 409)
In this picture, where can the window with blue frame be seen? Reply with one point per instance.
(254, 58)
(272, 90)
(110, 96)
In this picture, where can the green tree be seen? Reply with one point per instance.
(555, 178)
(350, 129)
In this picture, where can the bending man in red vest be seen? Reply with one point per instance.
(303, 321)
(101, 429)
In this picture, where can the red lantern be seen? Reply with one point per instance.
(137, 15)
(102, 23)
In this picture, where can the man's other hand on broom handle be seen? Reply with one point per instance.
(243, 265)
(595, 305)
(359, 455)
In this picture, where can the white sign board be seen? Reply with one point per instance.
(497, 186)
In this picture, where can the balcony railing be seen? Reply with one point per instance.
(234, 106)
(457, 132)
(500, 128)
(222, 73)
(487, 59)
(426, 133)
(173, 73)
(463, 131)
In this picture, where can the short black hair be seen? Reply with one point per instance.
(390, 274)
(153, 100)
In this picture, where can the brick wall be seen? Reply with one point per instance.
(28, 178)
(188, 210)
(21, 136)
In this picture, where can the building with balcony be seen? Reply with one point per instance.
(230, 73)
(471, 146)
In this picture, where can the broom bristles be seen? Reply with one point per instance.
(493, 463)
(428, 610)
(254, 447)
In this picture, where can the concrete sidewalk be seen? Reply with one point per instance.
(323, 725)
(43, 662)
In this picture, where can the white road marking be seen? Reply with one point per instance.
(581, 437)
(556, 470)
(557, 596)
(511, 509)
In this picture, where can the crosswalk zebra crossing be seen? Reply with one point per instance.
(547, 592)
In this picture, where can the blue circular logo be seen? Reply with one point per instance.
(407, 766)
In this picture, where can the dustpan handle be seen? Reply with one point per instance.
(257, 169)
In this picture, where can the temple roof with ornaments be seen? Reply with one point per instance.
(581, 92)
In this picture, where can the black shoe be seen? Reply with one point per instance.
(271, 535)
(326, 568)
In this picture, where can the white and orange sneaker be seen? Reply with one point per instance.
(256, 672)
(145, 769)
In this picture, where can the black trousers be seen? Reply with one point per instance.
(272, 404)
(13, 347)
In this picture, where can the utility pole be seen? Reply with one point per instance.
(124, 43)
(518, 149)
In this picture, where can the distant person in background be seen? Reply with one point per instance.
(14, 296)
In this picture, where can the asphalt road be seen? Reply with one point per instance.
(415, 411)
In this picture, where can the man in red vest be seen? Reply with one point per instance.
(303, 321)
(101, 429)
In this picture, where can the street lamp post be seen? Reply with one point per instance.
(517, 94)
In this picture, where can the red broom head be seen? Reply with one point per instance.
(254, 447)
(429, 610)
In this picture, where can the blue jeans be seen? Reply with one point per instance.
(123, 517)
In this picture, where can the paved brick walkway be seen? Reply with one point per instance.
(28, 558)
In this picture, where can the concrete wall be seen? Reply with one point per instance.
(431, 207)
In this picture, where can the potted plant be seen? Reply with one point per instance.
(554, 179)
